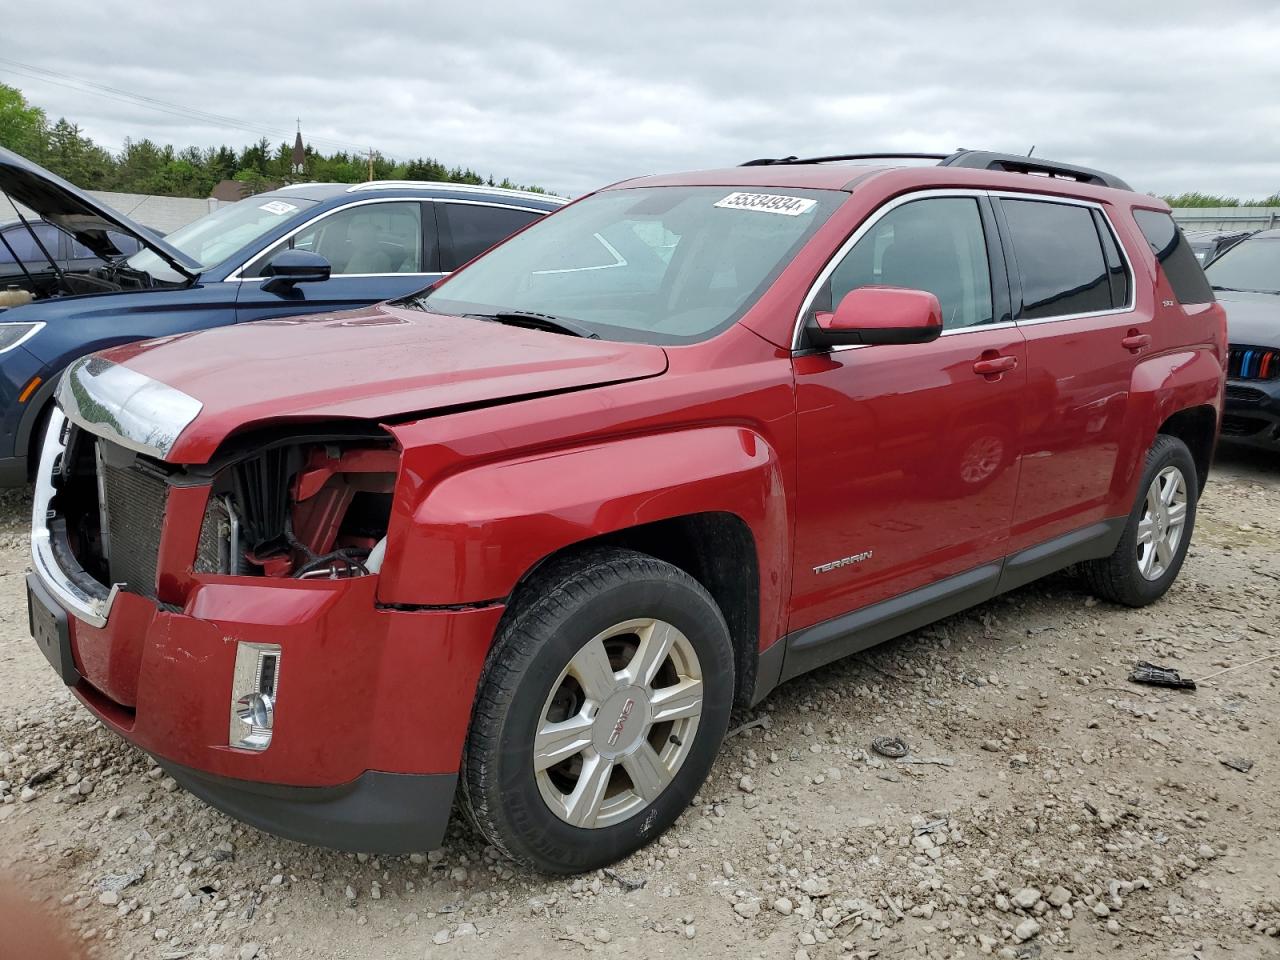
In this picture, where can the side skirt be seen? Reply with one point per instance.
(833, 639)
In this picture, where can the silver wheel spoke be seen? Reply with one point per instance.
(1169, 489)
(1146, 561)
(583, 805)
(684, 699)
(1146, 530)
(1164, 552)
(649, 775)
(560, 741)
(591, 667)
(1177, 514)
(655, 646)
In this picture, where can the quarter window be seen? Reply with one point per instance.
(936, 244)
(1060, 259)
(372, 238)
(475, 228)
(1177, 259)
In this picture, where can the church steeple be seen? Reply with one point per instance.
(298, 164)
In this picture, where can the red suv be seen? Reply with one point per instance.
(530, 535)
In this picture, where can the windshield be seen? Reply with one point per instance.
(213, 238)
(650, 264)
(1253, 265)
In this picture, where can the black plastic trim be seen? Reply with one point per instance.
(833, 639)
(390, 813)
(1088, 543)
(841, 636)
(769, 670)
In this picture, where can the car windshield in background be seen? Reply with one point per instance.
(213, 238)
(1251, 265)
(650, 264)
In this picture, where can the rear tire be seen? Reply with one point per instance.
(601, 708)
(1155, 539)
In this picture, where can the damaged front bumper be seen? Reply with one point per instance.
(371, 704)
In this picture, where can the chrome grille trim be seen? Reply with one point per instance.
(92, 609)
(127, 407)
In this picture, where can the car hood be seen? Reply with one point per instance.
(70, 208)
(180, 397)
(1252, 318)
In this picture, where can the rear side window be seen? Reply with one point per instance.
(1177, 259)
(475, 228)
(1061, 262)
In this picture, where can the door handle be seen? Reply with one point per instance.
(994, 366)
(1135, 341)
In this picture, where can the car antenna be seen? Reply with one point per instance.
(1032, 150)
(13, 253)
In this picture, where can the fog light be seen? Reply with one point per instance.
(253, 695)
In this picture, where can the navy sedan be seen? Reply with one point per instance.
(306, 248)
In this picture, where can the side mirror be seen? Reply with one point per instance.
(879, 315)
(294, 266)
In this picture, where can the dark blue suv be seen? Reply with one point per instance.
(306, 248)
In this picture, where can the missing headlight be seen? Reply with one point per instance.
(303, 510)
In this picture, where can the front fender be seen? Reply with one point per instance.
(475, 533)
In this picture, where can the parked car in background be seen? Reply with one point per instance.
(25, 265)
(1246, 279)
(528, 536)
(302, 249)
(1207, 244)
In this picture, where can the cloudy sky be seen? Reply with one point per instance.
(1172, 95)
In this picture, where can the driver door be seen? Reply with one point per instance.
(378, 250)
(909, 454)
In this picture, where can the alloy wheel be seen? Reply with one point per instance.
(618, 723)
(1164, 517)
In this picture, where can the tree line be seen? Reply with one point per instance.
(143, 166)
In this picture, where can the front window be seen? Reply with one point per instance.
(935, 244)
(211, 239)
(365, 239)
(650, 264)
(1253, 265)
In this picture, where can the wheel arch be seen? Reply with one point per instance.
(717, 549)
(1176, 393)
(1197, 427)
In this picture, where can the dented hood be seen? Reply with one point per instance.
(181, 396)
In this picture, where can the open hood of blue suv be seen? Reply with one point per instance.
(70, 208)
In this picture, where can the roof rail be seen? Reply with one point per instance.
(972, 159)
(455, 187)
(1012, 163)
(769, 161)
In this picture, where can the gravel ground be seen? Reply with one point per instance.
(1048, 807)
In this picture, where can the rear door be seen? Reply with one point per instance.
(379, 250)
(1073, 295)
(909, 453)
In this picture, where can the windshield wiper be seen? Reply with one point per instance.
(539, 321)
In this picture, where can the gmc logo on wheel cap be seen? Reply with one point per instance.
(622, 721)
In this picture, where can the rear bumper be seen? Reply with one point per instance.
(1252, 413)
(388, 813)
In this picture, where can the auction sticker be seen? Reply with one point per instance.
(278, 207)
(768, 203)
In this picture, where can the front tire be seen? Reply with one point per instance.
(601, 709)
(1155, 539)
